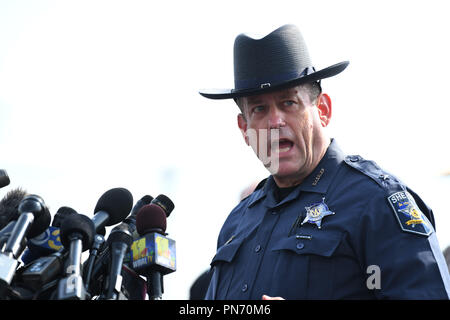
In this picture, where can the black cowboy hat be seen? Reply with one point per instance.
(278, 60)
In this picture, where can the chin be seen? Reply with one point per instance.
(283, 171)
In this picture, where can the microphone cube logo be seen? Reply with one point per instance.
(154, 250)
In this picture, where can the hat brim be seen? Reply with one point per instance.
(315, 76)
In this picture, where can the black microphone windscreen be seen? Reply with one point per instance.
(147, 199)
(77, 223)
(117, 203)
(151, 217)
(62, 213)
(165, 203)
(9, 206)
(40, 223)
(4, 178)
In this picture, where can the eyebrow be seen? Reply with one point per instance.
(253, 100)
(288, 93)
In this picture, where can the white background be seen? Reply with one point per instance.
(102, 94)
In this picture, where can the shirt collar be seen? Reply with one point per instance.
(318, 181)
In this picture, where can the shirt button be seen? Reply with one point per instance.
(244, 287)
(300, 246)
(257, 248)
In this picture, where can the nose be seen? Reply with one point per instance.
(276, 118)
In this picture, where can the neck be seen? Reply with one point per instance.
(286, 182)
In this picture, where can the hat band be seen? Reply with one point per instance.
(246, 84)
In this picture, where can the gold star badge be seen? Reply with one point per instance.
(316, 212)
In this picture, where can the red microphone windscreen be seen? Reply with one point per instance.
(150, 218)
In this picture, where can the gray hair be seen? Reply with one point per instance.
(314, 89)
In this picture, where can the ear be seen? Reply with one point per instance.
(242, 124)
(324, 108)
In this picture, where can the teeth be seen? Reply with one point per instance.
(276, 146)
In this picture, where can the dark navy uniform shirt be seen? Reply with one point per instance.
(348, 231)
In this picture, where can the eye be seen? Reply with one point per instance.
(258, 109)
(289, 103)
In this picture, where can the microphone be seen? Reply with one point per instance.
(104, 257)
(45, 254)
(151, 218)
(99, 241)
(62, 213)
(34, 219)
(165, 203)
(119, 241)
(77, 234)
(112, 207)
(49, 241)
(131, 219)
(4, 179)
(147, 199)
(153, 255)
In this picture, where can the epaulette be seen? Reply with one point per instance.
(370, 169)
(407, 206)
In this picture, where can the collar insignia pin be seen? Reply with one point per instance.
(316, 212)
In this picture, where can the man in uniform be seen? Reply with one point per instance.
(323, 225)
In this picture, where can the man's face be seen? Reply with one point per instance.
(289, 125)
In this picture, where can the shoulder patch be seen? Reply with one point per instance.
(408, 214)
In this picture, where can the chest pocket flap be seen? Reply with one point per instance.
(227, 252)
(321, 244)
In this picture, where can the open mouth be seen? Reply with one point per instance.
(284, 145)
